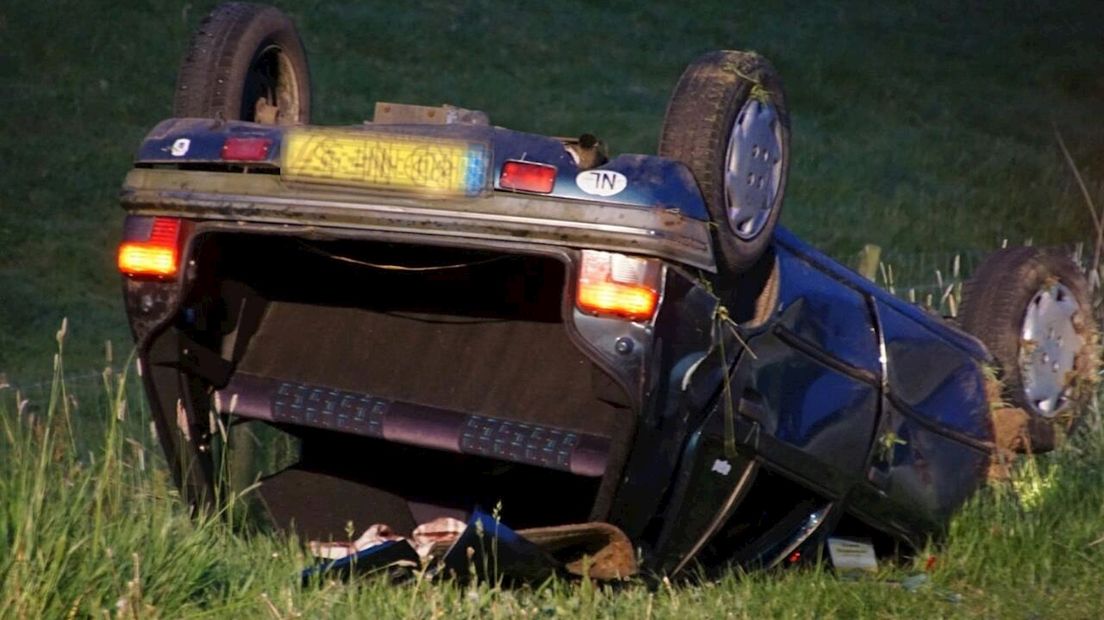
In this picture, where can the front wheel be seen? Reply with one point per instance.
(727, 121)
(1032, 309)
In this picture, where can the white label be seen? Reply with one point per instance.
(849, 554)
(601, 182)
(180, 147)
(722, 467)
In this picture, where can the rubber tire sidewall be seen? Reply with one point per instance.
(211, 79)
(696, 131)
(994, 302)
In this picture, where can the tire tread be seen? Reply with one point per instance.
(207, 76)
(696, 129)
(994, 301)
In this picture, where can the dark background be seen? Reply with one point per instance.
(928, 130)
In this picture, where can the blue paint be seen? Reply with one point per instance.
(934, 378)
(373, 558)
(938, 328)
(653, 182)
(475, 175)
(830, 316)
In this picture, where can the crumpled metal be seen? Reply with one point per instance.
(483, 548)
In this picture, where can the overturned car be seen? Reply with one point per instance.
(426, 316)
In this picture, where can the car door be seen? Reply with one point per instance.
(811, 378)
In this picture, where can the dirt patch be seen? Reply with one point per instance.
(1010, 434)
(1015, 431)
(1011, 430)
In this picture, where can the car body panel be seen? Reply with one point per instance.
(263, 198)
(933, 378)
(865, 404)
(657, 183)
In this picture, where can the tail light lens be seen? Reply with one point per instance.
(527, 176)
(245, 149)
(158, 255)
(618, 285)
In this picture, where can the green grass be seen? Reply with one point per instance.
(927, 130)
(90, 526)
(920, 129)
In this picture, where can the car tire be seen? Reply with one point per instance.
(727, 121)
(245, 62)
(1032, 309)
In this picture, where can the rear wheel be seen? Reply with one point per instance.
(727, 121)
(1032, 309)
(245, 62)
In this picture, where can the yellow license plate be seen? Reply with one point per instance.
(385, 161)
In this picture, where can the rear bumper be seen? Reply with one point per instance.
(505, 218)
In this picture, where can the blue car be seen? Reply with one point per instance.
(426, 316)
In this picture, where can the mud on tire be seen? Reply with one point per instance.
(1031, 308)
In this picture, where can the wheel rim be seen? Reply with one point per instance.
(753, 173)
(271, 91)
(1048, 349)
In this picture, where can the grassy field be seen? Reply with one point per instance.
(926, 130)
(90, 527)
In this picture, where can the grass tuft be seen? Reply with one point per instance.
(91, 526)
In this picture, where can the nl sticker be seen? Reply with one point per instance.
(601, 182)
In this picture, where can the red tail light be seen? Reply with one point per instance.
(618, 285)
(159, 255)
(245, 149)
(527, 176)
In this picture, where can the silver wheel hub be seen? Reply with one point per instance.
(1048, 349)
(753, 170)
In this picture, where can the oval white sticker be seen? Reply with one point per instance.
(180, 147)
(601, 182)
